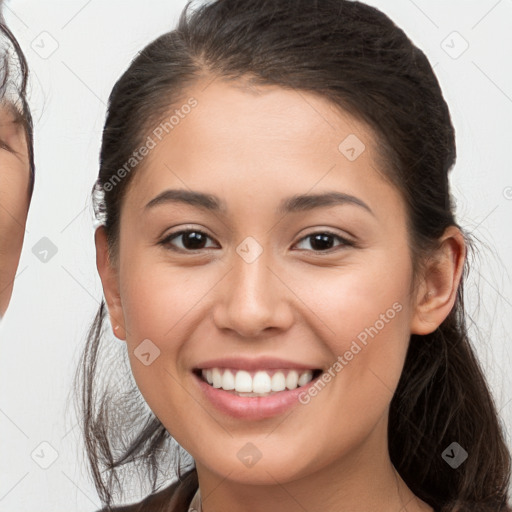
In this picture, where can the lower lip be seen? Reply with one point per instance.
(252, 407)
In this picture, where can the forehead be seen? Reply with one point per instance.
(262, 139)
(240, 115)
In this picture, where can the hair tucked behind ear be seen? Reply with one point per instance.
(356, 57)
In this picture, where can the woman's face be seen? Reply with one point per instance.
(259, 291)
(14, 199)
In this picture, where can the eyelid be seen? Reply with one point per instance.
(345, 241)
(165, 241)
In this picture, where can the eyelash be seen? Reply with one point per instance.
(166, 242)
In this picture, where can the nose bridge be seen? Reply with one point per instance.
(253, 299)
(251, 279)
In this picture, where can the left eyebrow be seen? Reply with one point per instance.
(296, 203)
(305, 202)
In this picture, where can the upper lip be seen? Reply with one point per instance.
(251, 364)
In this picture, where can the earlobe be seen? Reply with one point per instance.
(109, 279)
(438, 291)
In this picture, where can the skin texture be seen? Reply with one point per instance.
(14, 199)
(252, 148)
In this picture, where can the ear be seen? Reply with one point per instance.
(438, 289)
(109, 279)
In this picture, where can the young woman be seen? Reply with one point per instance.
(16, 159)
(281, 262)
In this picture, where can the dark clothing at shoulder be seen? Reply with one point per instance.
(158, 502)
(173, 498)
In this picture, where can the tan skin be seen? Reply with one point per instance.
(14, 199)
(253, 150)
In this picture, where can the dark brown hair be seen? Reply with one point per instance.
(354, 56)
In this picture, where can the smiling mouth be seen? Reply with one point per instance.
(256, 383)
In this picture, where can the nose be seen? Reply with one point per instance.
(253, 298)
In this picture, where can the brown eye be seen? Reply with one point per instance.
(191, 239)
(322, 241)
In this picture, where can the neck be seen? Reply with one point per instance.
(362, 481)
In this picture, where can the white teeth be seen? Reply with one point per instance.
(305, 377)
(278, 382)
(228, 380)
(262, 383)
(292, 380)
(217, 378)
(243, 381)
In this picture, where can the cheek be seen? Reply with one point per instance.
(155, 296)
(161, 303)
(363, 316)
(155, 308)
(368, 296)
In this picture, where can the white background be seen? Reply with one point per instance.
(54, 302)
